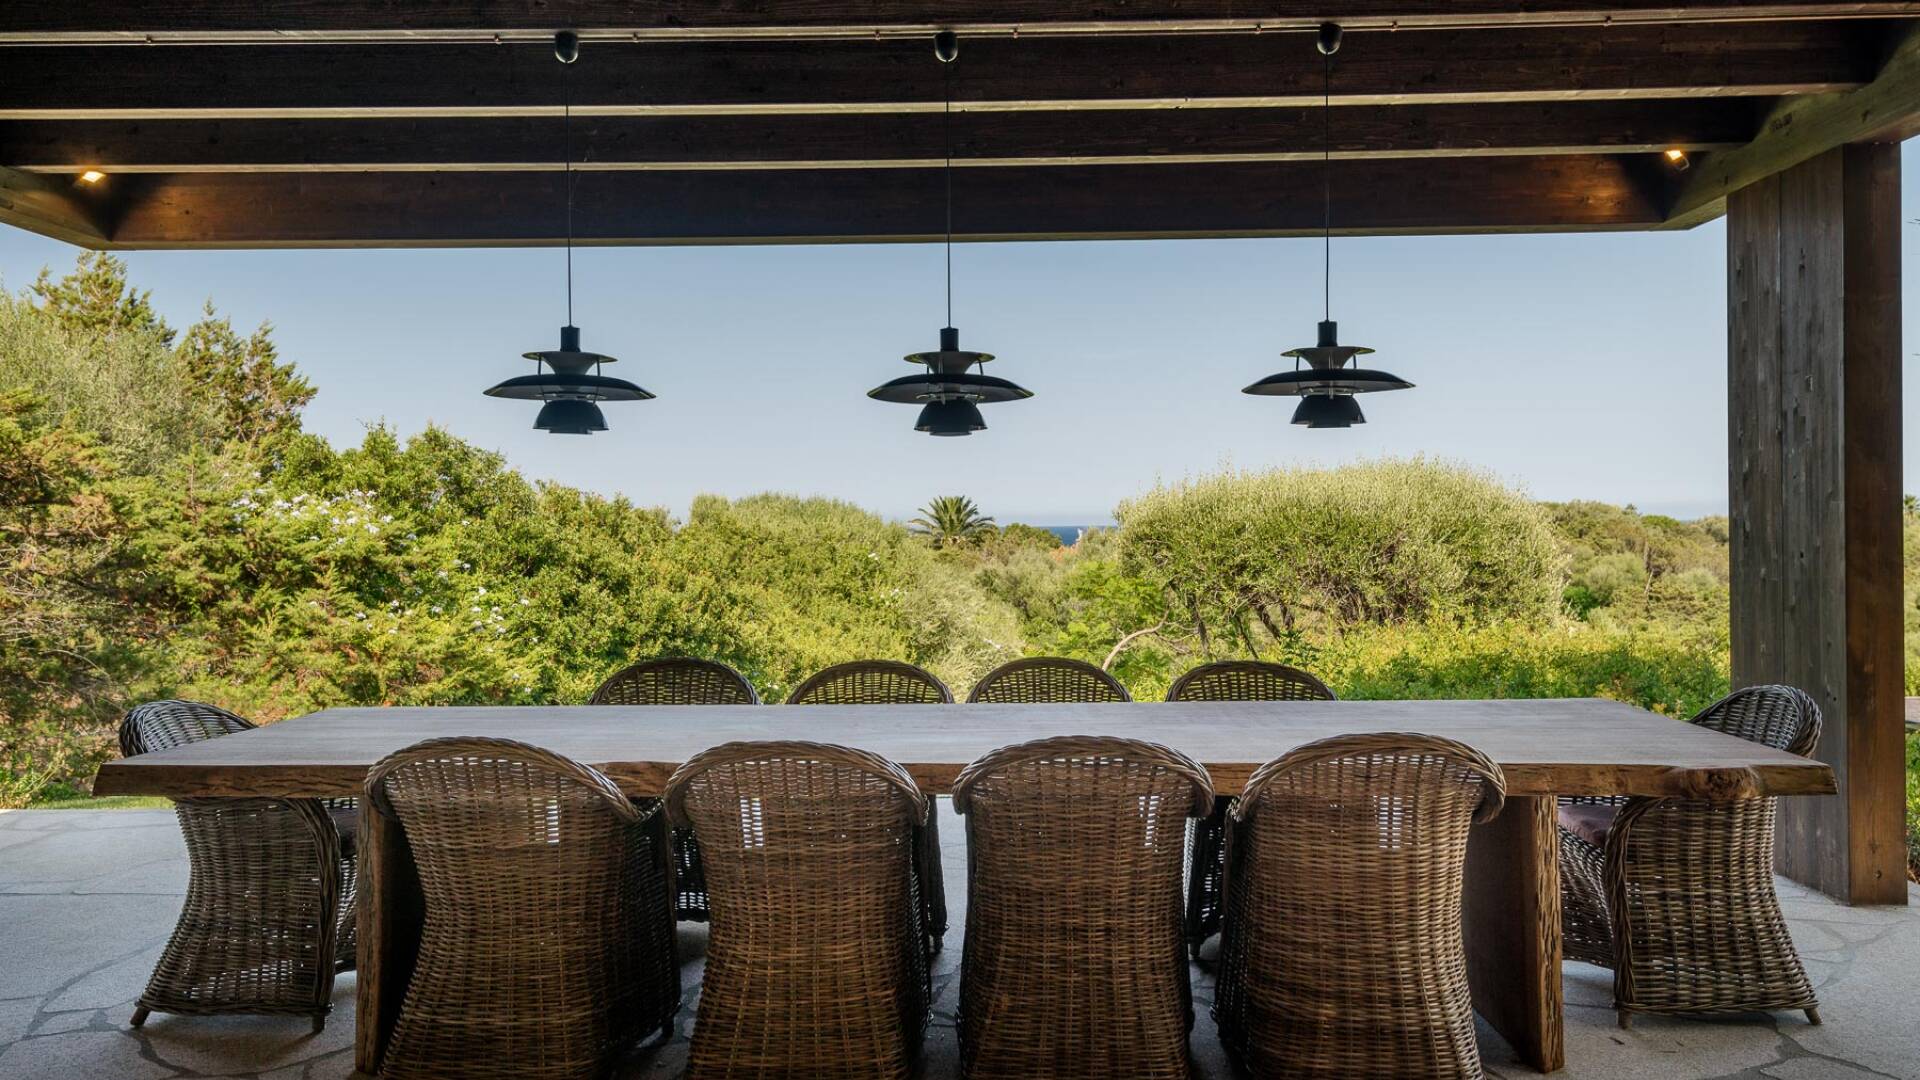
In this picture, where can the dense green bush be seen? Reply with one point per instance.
(1378, 543)
(166, 528)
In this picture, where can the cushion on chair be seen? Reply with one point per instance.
(1589, 822)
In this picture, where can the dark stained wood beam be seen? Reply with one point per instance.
(204, 21)
(900, 75)
(1162, 136)
(1814, 431)
(51, 207)
(235, 210)
(1801, 129)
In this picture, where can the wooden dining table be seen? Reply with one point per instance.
(1545, 747)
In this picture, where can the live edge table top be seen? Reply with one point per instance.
(1554, 746)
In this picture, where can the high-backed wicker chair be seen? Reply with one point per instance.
(1342, 953)
(547, 946)
(872, 682)
(680, 680)
(1075, 964)
(1676, 895)
(1047, 678)
(891, 682)
(282, 869)
(1229, 680)
(816, 959)
(676, 680)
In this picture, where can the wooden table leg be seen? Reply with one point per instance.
(389, 934)
(1513, 929)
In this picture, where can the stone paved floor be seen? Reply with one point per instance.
(88, 897)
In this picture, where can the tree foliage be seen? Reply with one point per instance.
(952, 520)
(168, 529)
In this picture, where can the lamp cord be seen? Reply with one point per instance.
(1326, 178)
(567, 166)
(948, 135)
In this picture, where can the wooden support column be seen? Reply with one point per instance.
(1813, 319)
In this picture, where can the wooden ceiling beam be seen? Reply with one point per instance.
(238, 210)
(899, 75)
(256, 21)
(1801, 129)
(1171, 137)
(50, 207)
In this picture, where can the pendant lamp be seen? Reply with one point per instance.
(950, 395)
(561, 379)
(1327, 384)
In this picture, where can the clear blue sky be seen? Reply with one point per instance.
(1577, 366)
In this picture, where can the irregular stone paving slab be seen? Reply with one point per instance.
(76, 947)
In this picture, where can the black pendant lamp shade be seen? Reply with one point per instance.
(1326, 385)
(948, 382)
(569, 389)
(949, 418)
(562, 378)
(950, 395)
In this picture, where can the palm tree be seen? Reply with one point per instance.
(951, 519)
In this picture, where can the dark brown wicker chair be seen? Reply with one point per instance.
(281, 870)
(891, 682)
(548, 943)
(677, 680)
(1047, 678)
(816, 960)
(1075, 964)
(680, 681)
(1342, 953)
(1676, 896)
(1229, 680)
(872, 682)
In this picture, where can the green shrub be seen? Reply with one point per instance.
(1377, 543)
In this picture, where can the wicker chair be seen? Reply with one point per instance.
(872, 682)
(677, 680)
(891, 682)
(816, 960)
(1342, 953)
(680, 681)
(548, 943)
(1075, 964)
(1228, 680)
(1676, 896)
(1047, 678)
(282, 869)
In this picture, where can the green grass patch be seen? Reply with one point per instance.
(68, 797)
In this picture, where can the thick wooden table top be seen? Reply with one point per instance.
(1565, 746)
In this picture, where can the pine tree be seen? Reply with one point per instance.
(96, 297)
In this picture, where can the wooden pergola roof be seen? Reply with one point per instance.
(281, 123)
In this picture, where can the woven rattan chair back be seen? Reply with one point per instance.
(872, 682)
(1342, 953)
(163, 725)
(677, 680)
(1228, 680)
(1247, 680)
(680, 681)
(1075, 965)
(278, 866)
(548, 943)
(891, 682)
(816, 958)
(1777, 716)
(1047, 678)
(1680, 900)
